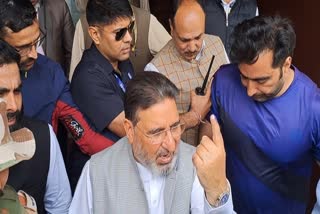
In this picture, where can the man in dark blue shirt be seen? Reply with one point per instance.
(99, 81)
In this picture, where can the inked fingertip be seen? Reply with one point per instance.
(212, 117)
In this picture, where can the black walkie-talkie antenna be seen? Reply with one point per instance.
(200, 90)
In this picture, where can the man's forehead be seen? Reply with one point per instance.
(23, 37)
(118, 23)
(9, 76)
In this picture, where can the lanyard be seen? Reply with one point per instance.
(119, 81)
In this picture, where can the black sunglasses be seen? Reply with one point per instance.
(122, 32)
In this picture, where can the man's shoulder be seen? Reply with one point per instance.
(227, 77)
(45, 64)
(168, 49)
(33, 123)
(46, 61)
(187, 148)
(212, 40)
(92, 62)
(116, 150)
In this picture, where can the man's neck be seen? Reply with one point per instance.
(288, 79)
(226, 1)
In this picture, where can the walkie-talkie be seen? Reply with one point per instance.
(200, 90)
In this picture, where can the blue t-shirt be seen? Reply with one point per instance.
(270, 145)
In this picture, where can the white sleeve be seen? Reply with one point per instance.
(57, 198)
(158, 36)
(82, 199)
(200, 205)
(150, 67)
(316, 208)
(77, 48)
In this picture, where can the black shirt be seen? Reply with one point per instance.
(97, 90)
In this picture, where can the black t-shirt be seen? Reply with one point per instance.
(97, 91)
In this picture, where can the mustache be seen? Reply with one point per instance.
(18, 116)
(164, 152)
(12, 115)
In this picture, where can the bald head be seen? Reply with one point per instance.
(187, 28)
(186, 11)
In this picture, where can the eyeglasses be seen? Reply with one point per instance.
(122, 32)
(25, 50)
(158, 137)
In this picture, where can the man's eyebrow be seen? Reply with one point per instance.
(18, 88)
(4, 90)
(156, 130)
(27, 45)
(255, 79)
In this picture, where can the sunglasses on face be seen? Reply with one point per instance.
(122, 32)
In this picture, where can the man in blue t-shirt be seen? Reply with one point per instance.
(269, 114)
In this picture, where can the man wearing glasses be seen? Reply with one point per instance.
(45, 89)
(151, 170)
(99, 81)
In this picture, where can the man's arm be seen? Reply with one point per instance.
(57, 198)
(199, 108)
(82, 199)
(66, 111)
(116, 126)
(89, 141)
(210, 163)
(200, 205)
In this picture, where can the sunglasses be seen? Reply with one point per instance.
(122, 32)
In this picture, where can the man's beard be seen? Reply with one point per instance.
(23, 65)
(160, 170)
(18, 117)
(274, 93)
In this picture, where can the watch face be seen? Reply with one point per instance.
(224, 199)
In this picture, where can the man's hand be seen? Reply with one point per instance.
(210, 162)
(201, 104)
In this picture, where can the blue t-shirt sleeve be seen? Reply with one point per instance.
(315, 109)
(214, 101)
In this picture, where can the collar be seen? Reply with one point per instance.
(98, 58)
(37, 6)
(230, 4)
(200, 54)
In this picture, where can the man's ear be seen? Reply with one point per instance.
(94, 34)
(129, 128)
(287, 63)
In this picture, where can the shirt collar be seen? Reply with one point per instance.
(98, 58)
(200, 54)
(230, 4)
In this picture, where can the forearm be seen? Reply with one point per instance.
(89, 141)
(191, 119)
(116, 126)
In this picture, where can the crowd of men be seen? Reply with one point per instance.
(212, 117)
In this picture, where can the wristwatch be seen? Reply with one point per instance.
(223, 198)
